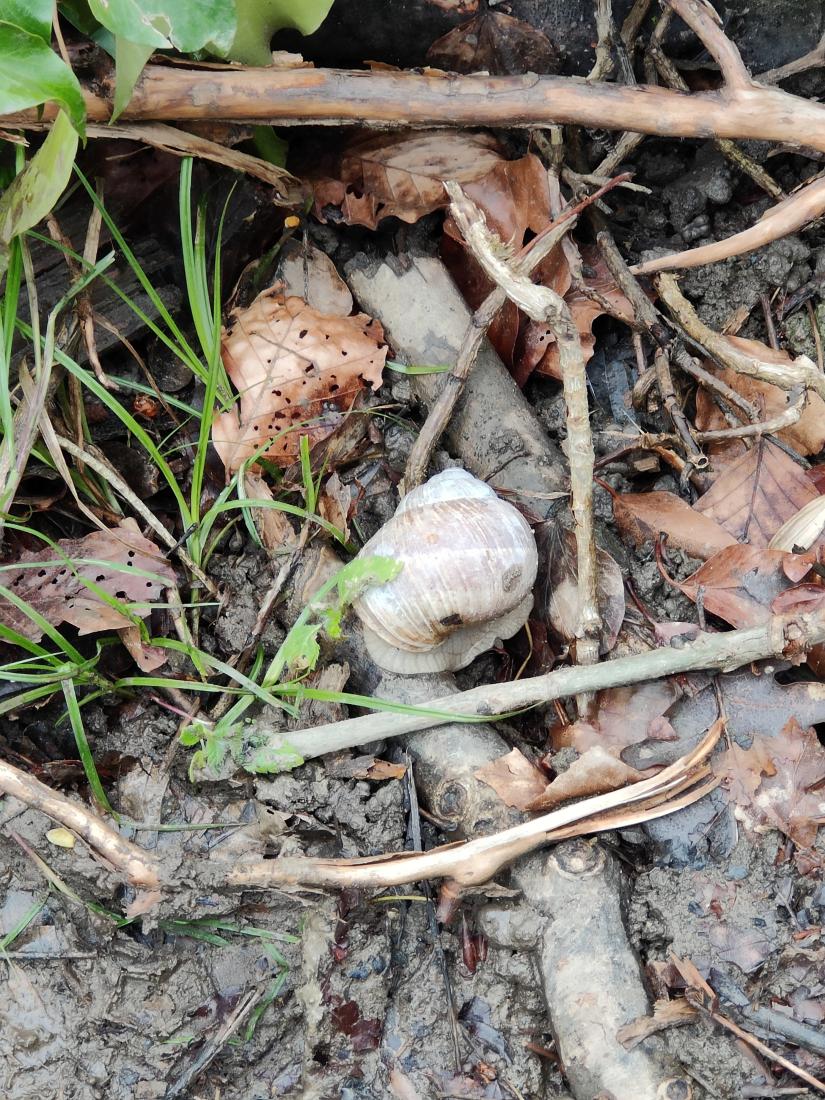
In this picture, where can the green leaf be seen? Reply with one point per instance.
(258, 20)
(300, 650)
(34, 16)
(32, 194)
(31, 73)
(130, 57)
(169, 24)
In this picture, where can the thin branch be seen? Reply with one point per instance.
(801, 372)
(138, 866)
(705, 23)
(812, 60)
(797, 400)
(723, 652)
(797, 210)
(542, 304)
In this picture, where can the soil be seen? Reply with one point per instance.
(370, 996)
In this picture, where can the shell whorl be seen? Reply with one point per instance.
(469, 563)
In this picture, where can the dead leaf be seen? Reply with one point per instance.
(119, 561)
(538, 350)
(595, 772)
(273, 525)
(778, 782)
(148, 658)
(292, 364)
(335, 503)
(807, 436)
(363, 767)
(515, 199)
(641, 517)
(515, 780)
(740, 583)
(745, 947)
(558, 599)
(665, 1014)
(624, 716)
(309, 273)
(497, 44)
(755, 495)
(401, 176)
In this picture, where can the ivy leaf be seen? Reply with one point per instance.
(33, 16)
(258, 20)
(31, 73)
(168, 24)
(33, 193)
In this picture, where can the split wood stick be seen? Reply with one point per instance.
(780, 635)
(380, 99)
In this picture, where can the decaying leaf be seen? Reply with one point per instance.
(666, 1014)
(760, 491)
(807, 436)
(624, 716)
(740, 583)
(403, 177)
(558, 598)
(119, 562)
(641, 517)
(515, 780)
(335, 503)
(515, 199)
(539, 352)
(363, 767)
(778, 783)
(309, 273)
(497, 44)
(595, 772)
(273, 526)
(291, 364)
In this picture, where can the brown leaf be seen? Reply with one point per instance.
(309, 273)
(515, 199)
(623, 716)
(515, 780)
(120, 562)
(538, 350)
(641, 517)
(558, 600)
(497, 44)
(273, 525)
(755, 495)
(595, 772)
(665, 1014)
(291, 364)
(777, 783)
(807, 436)
(401, 176)
(335, 503)
(363, 767)
(740, 583)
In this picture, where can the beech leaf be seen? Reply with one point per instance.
(642, 517)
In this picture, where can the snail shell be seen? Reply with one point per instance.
(469, 565)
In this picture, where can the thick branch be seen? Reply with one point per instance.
(334, 96)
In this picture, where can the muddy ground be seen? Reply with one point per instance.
(355, 991)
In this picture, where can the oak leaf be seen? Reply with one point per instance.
(296, 371)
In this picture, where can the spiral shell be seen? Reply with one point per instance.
(469, 565)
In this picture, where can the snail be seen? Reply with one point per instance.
(469, 563)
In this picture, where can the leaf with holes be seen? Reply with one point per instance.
(297, 371)
(402, 177)
(754, 496)
(67, 582)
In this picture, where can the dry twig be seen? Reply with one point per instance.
(543, 304)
